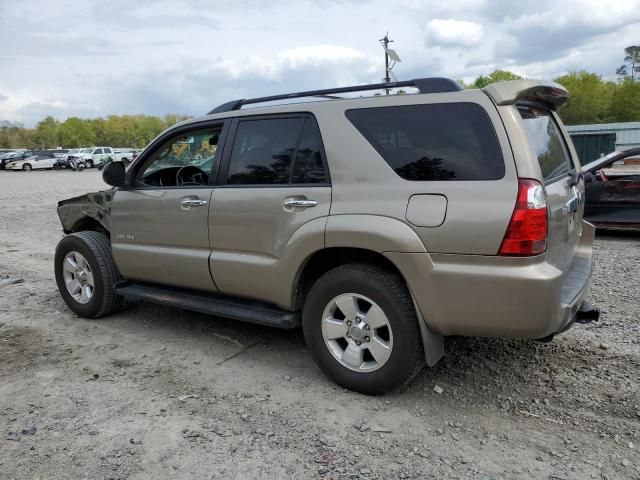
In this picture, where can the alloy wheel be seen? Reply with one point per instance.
(78, 277)
(357, 332)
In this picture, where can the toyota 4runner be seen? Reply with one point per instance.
(380, 224)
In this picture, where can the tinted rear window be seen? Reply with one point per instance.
(547, 142)
(452, 141)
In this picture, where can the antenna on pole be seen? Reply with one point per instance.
(389, 54)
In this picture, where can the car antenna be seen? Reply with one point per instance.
(389, 55)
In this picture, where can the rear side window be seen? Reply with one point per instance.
(546, 141)
(308, 166)
(276, 151)
(452, 141)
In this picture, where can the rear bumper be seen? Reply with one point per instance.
(475, 295)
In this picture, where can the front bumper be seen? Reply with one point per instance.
(486, 296)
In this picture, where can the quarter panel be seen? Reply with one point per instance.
(371, 232)
(475, 295)
(478, 212)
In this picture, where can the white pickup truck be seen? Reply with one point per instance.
(92, 157)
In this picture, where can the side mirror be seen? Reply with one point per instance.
(114, 174)
(588, 177)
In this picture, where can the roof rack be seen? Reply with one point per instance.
(424, 85)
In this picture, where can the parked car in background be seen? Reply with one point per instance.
(69, 160)
(15, 157)
(94, 156)
(6, 156)
(125, 155)
(38, 160)
(613, 194)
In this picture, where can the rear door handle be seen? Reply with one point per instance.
(299, 203)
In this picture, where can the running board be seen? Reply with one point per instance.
(211, 304)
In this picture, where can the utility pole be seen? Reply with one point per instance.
(384, 41)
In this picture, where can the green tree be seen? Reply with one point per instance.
(631, 67)
(12, 134)
(589, 98)
(625, 106)
(495, 76)
(76, 132)
(47, 134)
(115, 131)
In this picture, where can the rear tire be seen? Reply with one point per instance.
(89, 251)
(27, 167)
(355, 360)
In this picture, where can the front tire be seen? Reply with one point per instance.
(89, 163)
(27, 167)
(362, 329)
(86, 273)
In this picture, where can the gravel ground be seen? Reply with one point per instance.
(160, 393)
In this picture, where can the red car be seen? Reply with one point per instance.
(613, 191)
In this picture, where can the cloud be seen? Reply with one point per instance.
(187, 85)
(453, 32)
(32, 112)
(117, 56)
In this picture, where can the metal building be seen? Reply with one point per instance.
(595, 141)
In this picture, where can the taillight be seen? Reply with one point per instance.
(527, 231)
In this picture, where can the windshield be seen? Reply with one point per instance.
(86, 150)
(546, 139)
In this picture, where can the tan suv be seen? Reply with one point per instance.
(381, 224)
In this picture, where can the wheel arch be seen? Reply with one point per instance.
(322, 261)
(87, 223)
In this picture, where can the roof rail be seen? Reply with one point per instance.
(424, 85)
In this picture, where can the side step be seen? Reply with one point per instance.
(211, 304)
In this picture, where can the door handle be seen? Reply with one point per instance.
(193, 202)
(299, 203)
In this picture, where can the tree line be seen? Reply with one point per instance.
(592, 99)
(134, 131)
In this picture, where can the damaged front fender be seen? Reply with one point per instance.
(86, 212)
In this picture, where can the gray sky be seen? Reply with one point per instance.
(94, 58)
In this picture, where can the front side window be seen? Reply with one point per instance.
(277, 151)
(186, 160)
(449, 141)
(546, 141)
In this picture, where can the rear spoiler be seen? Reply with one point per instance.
(551, 94)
